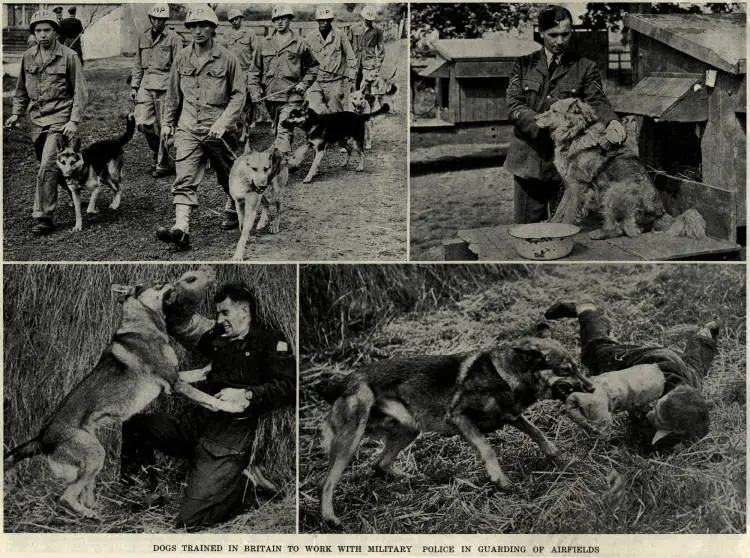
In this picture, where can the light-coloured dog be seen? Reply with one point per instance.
(256, 180)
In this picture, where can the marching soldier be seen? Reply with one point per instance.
(157, 50)
(367, 41)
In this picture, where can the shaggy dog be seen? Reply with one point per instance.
(605, 178)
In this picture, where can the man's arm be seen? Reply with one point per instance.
(593, 94)
(520, 113)
(80, 89)
(308, 66)
(136, 75)
(351, 59)
(172, 101)
(254, 73)
(21, 95)
(379, 47)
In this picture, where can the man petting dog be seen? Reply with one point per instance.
(536, 81)
(51, 86)
(205, 98)
(251, 367)
(338, 66)
(680, 411)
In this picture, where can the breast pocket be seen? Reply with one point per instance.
(33, 78)
(55, 82)
(188, 83)
(215, 86)
(291, 65)
(567, 89)
(531, 89)
(160, 57)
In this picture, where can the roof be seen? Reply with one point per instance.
(674, 99)
(716, 39)
(498, 48)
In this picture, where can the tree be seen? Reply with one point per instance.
(610, 15)
(467, 21)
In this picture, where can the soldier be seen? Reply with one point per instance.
(52, 87)
(243, 42)
(338, 65)
(283, 69)
(205, 96)
(537, 80)
(71, 32)
(369, 48)
(157, 49)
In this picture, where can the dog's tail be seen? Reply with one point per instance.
(689, 223)
(384, 108)
(24, 451)
(129, 130)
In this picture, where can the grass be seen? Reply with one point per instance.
(51, 340)
(697, 489)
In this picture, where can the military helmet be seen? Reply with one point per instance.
(201, 13)
(323, 13)
(369, 13)
(160, 11)
(47, 16)
(233, 13)
(281, 11)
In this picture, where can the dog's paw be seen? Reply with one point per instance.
(361, 167)
(94, 211)
(598, 234)
(307, 180)
(77, 228)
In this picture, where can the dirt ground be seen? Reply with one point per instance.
(444, 203)
(342, 215)
(697, 489)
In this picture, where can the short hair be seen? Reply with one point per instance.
(72, 10)
(238, 292)
(684, 411)
(552, 16)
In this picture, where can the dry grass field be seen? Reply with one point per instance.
(447, 309)
(57, 321)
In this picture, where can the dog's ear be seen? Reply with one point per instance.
(587, 111)
(392, 89)
(62, 142)
(75, 143)
(122, 291)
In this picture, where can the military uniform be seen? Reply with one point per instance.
(530, 157)
(150, 76)
(200, 95)
(337, 70)
(280, 63)
(218, 444)
(369, 49)
(243, 43)
(71, 32)
(54, 92)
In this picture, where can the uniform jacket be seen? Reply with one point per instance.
(202, 94)
(368, 46)
(279, 64)
(243, 43)
(53, 92)
(532, 90)
(334, 54)
(261, 362)
(154, 59)
(71, 29)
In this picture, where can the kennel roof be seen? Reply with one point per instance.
(715, 39)
(467, 55)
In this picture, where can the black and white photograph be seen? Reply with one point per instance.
(521, 399)
(162, 397)
(578, 131)
(209, 131)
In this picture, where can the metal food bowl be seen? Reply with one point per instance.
(543, 241)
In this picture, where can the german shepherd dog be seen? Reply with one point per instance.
(323, 130)
(99, 164)
(363, 102)
(607, 179)
(468, 394)
(257, 179)
(137, 366)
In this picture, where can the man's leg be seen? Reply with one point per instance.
(191, 166)
(222, 154)
(316, 97)
(531, 199)
(46, 146)
(215, 488)
(284, 136)
(146, 122)
(701, 349)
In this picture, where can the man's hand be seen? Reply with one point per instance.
(166, 132)
(70, 129)
(236, 399)
(299, 88)
(615, 132)
(133, 93)
(12, 122)
(217, 130)
(197, 375)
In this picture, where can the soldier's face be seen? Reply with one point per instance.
(236, 22)
(157, 23)
(282, 23)
(234, 317)
(324, 25)
(44, 33)
(202, 32)
(557, 39)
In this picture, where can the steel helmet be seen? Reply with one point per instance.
(323, 13)
(281, 11)
(369, 13)
(160, 11)
(47, 16)
(201, 12)
(234, 13)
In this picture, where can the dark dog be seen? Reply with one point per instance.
(136, 367)
(100, 164)
(323, 130)
(467, 394)
(601, 177)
